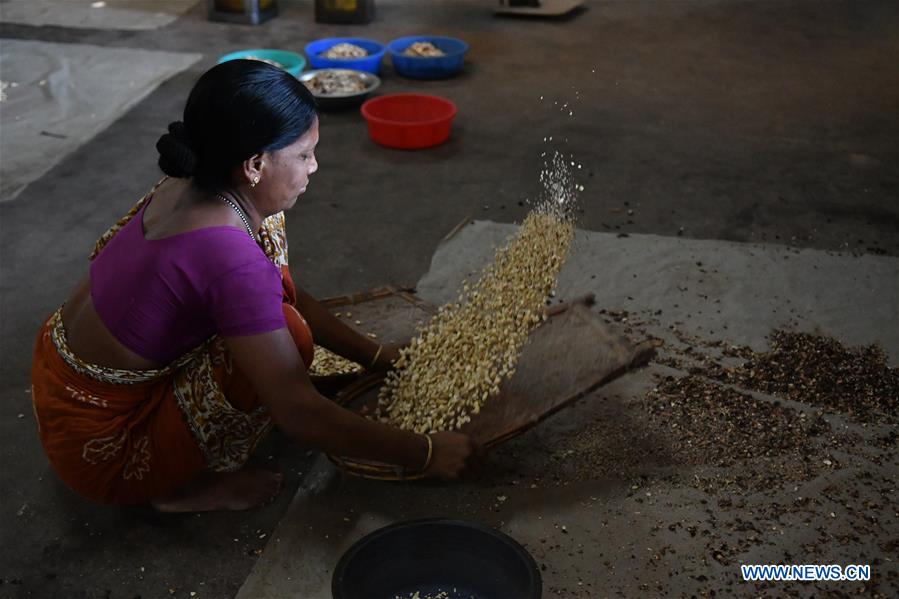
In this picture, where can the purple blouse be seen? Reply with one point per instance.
(163, 297)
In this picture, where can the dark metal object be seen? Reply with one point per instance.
(538, 8)
(458, 557)
(252, 12)
(344, 11)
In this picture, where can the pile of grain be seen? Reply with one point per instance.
(461, 356)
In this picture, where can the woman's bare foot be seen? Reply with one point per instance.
(212, 491)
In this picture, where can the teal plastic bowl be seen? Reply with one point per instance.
(291, 62)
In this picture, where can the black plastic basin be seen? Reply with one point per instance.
(459, 558)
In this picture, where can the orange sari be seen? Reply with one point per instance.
(126, 437)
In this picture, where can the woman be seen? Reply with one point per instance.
(185, 342)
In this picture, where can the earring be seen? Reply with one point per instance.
(255, 181)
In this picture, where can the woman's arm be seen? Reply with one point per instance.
(332, 333)
(272, 363)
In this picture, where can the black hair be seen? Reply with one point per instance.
(236, 109)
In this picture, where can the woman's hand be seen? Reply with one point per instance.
(273, 365)
(453, 455)
(389, 353)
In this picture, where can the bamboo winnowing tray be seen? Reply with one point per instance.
(571, 354)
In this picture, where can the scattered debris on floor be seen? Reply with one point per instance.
(791, 440)
(4, 85)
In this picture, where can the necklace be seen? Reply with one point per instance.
(240, 213)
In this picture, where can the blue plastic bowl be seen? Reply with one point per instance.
(370, 63)
(291, 62)
(424, 67)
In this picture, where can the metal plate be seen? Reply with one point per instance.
(545, 8)
(333, 101)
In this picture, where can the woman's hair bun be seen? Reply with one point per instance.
(176, 156)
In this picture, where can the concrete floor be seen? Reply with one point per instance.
(767, 122)
(576, 506)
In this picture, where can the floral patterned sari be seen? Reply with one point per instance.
(127, 437)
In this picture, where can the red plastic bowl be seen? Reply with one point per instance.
(409, 121)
